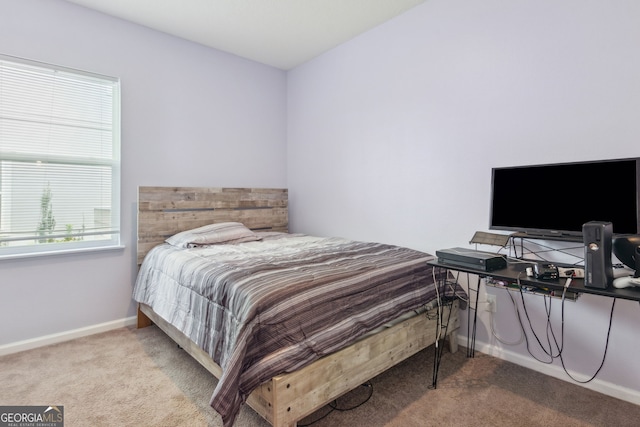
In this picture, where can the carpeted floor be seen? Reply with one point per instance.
(139, 377)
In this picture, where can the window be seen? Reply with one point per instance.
(59, 159)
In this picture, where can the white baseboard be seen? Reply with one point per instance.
(65, 336)
(604, 387)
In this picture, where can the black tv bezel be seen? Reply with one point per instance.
(560, 234)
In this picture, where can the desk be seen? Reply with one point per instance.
(516, 272)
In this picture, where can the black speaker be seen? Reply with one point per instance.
(597, 237)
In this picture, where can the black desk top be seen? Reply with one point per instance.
(516, 270)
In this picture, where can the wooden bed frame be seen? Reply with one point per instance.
(287, 398)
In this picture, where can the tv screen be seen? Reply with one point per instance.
(555, 200)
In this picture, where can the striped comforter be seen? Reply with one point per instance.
(273, 306)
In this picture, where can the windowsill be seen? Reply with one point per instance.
(62, 252)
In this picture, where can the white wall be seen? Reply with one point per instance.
(191, 116)
(392, 136)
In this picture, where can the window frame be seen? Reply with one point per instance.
(113, 163)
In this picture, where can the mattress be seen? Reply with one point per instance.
(267, 307)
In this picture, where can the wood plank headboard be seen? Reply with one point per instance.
(165, 211)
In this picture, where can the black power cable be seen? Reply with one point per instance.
(560, 346)
(333, 406)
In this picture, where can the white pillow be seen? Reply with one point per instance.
(223, 232)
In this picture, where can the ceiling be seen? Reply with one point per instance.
(280, 33)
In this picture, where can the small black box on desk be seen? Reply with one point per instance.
(469, 258)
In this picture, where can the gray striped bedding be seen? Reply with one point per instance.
(272, 306)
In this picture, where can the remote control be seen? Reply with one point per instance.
(625, 282)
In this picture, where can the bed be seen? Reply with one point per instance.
(271, 348)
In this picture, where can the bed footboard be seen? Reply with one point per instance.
(288, 398)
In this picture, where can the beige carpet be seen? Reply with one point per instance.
(131, 377)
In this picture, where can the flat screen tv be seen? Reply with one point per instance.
(554, 200)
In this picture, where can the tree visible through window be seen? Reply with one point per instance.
(59, 159)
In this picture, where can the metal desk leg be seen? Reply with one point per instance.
(441, 325)
(471, 328)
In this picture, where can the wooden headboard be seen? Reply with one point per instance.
(165, 211)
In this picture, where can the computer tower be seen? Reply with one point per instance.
(597, 238)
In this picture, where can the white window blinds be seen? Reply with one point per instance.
(59, 159)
